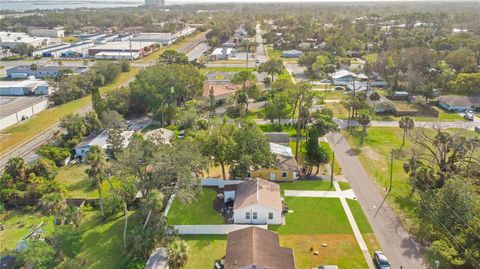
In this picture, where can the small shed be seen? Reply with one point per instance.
(400, 95)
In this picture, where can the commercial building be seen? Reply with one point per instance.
(54, 32)
(16, 109)
(74, 50)
(12, 39)
(154, 3)
(222, 53)
(159, 38)
(106, 55)
(24, 87)
(43, 71)
(142, 48)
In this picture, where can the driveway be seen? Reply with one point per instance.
(297, 71)
(396, 243)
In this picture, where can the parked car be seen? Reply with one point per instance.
(469, 116)
(257, 61)
(380, 260)
(327, 267)
(477, 129)
(181, 134)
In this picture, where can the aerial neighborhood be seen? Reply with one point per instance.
(316, 135)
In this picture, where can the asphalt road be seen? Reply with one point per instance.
(27, 150)
(396, 243)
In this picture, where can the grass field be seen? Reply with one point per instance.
(200, 211)
(205, 250)
(328, 94)
(359, 216)
(77, 183)
(70, 39)
(325, 216)
(339, 111)
(18, 224)
(102, 242)
(375, 158)
(20, 133)
(342, 250)
(275, 128)
(311, 185)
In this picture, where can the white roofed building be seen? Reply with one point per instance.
(81, 150)
(24, 87)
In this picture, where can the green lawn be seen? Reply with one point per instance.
(328, 94)
(20, 133)
(359, 216)
(102, 242)
(344, 185)
(205, 250)
(314, 216)
(76, 181)
(226, 69)
(339, 111)
(337, 168)
(372, 57)
(70, 39)
(375, 158)
(310, 185)
(200, 211)
(276, 128)
(18, 224)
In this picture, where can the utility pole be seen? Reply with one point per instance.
(332, 168)
(248, 45)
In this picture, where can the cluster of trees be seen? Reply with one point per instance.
(73, 87)
(444, 170)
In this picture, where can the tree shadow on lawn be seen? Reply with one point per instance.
(85, 186)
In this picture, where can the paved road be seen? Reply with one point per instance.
(260, 53)
(197, 52)
(396, 243)
(27, 150)
(297, 71)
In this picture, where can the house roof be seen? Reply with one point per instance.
(255, 247)
(101, 139)
(258, 191)
(278, 149)
(219, 88)
(292, 52)
(342, 73)
(278, 137)
(285, 163)
(457, 100)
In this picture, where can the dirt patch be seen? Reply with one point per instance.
(342, 250)
(372, 154)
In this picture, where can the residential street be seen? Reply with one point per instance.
(396, 243)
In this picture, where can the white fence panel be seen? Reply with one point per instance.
(220, 183)
(213, 229)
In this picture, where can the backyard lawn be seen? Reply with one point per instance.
(290, 129)
(205, 250)
(18, 224)
(200, 211)
(76, 181)
(18, 134)
(314, 216)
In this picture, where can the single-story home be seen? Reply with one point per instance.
(459, 103)
(292, 54)
(160, 135)
(399, 95)
(81, 150)
(254, 247)
(285, 167)
(222, 91)
(358, 86)
(257, 201)
(222, 53)
(343, 77)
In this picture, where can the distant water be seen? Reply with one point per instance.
(31, 5)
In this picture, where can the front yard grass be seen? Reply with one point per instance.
(20, 133)
(314, 216)
(339, 111)
(342, 250)
(205, 250)
(359, 216)
(200, 211)
(306, 185)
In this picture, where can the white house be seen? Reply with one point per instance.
(257, 201)
(459, 103)
(343, 77)
(81, 150)
(222, 53)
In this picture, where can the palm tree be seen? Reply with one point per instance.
(54, 203)
(178, 253)
(34, 68)
(271, 67)
(97, 170)
(406, 123)
(364, 120)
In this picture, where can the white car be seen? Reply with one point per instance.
(469, 116)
